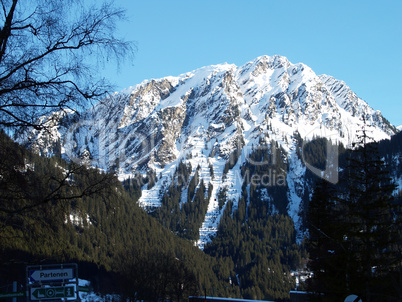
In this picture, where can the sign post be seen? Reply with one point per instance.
(52, 282)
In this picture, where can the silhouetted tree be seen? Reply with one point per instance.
(373, 219)
(44, 68)
(355, 231)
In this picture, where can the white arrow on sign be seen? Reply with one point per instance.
(51, 274)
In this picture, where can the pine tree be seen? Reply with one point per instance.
(373, 229)
(355, 231)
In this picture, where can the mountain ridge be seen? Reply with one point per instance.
(203, 118)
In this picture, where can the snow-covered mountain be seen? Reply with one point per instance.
(202, 117)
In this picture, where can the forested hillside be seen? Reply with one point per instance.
(114, 241)
(122, 249)
(53, 211)
(258, 236)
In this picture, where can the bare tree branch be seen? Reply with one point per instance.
(44, 58)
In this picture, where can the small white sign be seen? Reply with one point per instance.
(51, 274)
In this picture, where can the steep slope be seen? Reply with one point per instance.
(214, 118)
(116, 244)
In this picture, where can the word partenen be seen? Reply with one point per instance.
(53, 275)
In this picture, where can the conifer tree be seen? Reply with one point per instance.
(373, 228)
(355, 232)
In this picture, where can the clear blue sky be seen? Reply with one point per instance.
(359, 42)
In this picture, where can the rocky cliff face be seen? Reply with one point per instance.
(203, 116)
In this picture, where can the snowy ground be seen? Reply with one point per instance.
(93, 297)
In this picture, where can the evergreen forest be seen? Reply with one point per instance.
(56, 212)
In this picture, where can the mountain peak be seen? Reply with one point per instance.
(275, 61)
